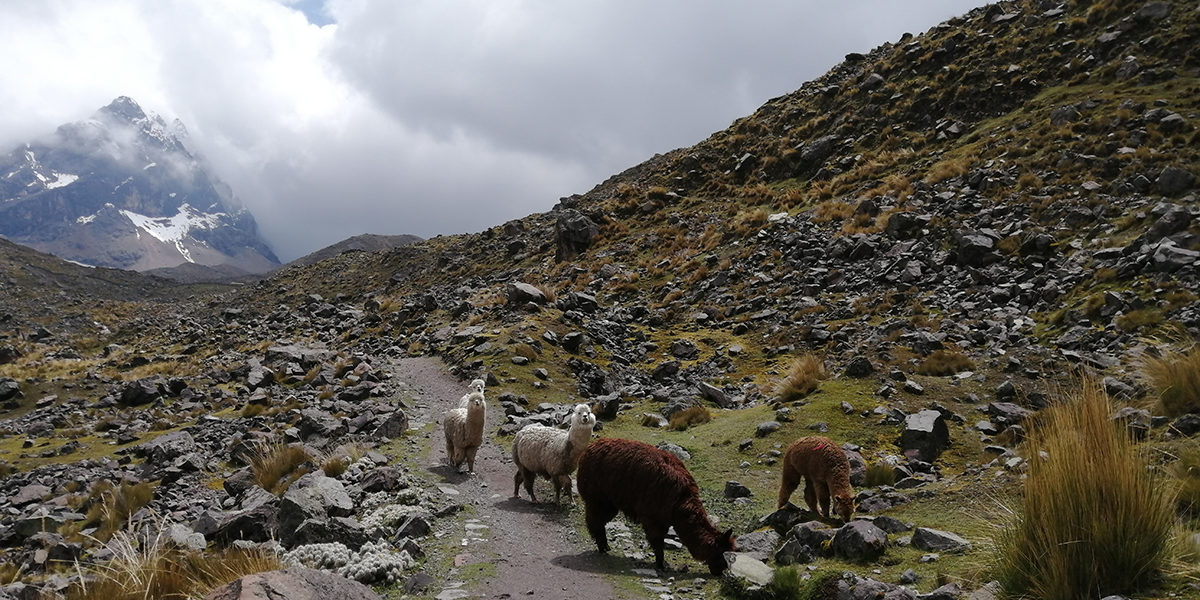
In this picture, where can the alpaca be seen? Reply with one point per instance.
(651, 487)
(551, 453)
(464, 431)
(476, 385)
(826, 473)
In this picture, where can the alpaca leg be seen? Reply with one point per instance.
(787, 485)
(530, 477)
(566, 485)
(657, 535)
(518, 478)
(596, 515)
(471, 458)
(810, 495)
(823, 497)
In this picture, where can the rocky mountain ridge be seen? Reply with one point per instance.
(124, 189)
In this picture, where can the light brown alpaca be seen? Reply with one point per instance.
(826, 473)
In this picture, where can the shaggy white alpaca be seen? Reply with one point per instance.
(464, 430)
(476, 385)
(551, 453)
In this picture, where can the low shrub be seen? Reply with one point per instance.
(1094, 521)
(1187, 471)
(276, 466)
(151, 568)
(880, 474)
(945, 362)
(1175, 377)
(692, 415)
(110, 506)
(802, 379)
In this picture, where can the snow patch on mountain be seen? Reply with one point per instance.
(174, 229)
(62, 180)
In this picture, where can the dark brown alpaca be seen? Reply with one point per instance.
(653, 488)
(825, 471)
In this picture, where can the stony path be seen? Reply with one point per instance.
(536, 550)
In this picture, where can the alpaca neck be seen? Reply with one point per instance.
(694, 529)
(577, 442)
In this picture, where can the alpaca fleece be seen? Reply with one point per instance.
(476, 385)
(653, 488)
(551, 452)
(825, 471)
(464, 431)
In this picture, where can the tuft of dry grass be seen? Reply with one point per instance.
(151, 568)
(1175, 377)
(880, 474)
(802, 379)
(110, 506)
(275, 466)
(945, 362)
(692, 415)
(526, 350)
(1094, 520)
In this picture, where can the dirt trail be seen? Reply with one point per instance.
(535, 548)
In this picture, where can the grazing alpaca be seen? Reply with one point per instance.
(551, 452)
(464, 431)
(826, 473)
(475, 386)
(651, 487)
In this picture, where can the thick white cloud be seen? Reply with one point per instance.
(429, 116)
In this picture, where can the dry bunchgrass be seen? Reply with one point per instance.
(1094, 520)
(110, 506)
(692, 415)
(945, 362)
(879, 474)
(150, 568)
(275, 466)
(526, 350)
(1175, 377)
(802, 379)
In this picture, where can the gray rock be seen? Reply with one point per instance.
(141, 391)
(163, 450)
(859, 541)
(393, 426)
(1064, 115)
(859, 366)
(520, 293)
(295, 583)
(31, 493)
(933, 540)
(1174, 180)
(925, 435)
(734, 489)
(184, 537)
(759, 544)
(792, 551)
(10, 389)
(744, 566)
(1153, 11)
(715, 395)
(767, 428)
(574, 233)
(675, 449)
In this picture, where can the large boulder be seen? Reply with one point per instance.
(574, 233)
(933, 540)
(163, 450)
(925, 435)
(295, 583)
(859, 541)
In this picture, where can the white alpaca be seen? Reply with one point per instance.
(551, 453)
(464, 431)
(476, 386)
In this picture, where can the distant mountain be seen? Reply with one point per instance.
(367, 242)
(123, 189)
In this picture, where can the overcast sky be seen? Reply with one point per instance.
(331, 118)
